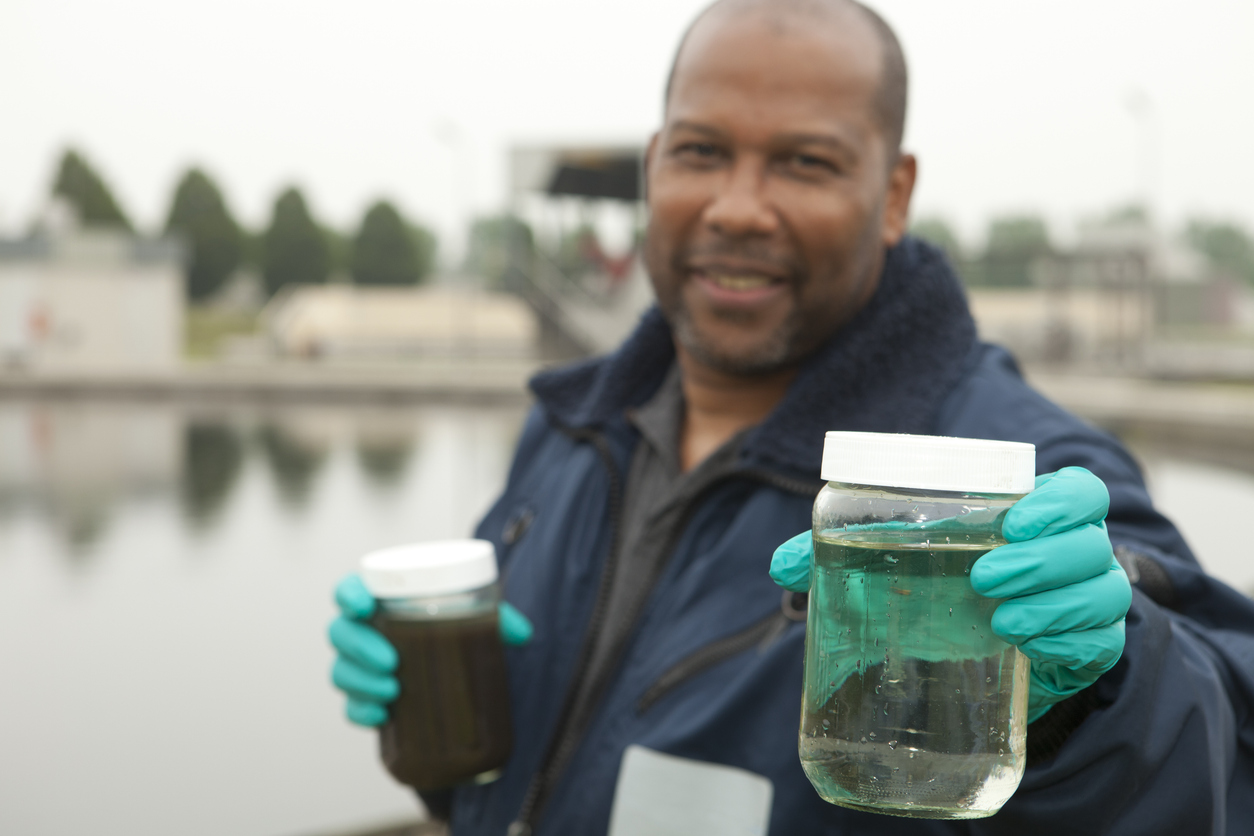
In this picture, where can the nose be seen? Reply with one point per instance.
(739, 208)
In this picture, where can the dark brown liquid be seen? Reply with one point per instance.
(451, 721)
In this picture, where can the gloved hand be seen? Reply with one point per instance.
(1066, 594)
(365, 660)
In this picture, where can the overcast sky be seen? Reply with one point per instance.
(1029, 105)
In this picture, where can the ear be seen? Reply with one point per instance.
(897, 200)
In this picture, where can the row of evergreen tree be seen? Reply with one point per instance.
(293, 249)
(1014, 243)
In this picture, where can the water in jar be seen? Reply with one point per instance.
(912, 706)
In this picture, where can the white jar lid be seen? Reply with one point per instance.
(441, 567)
(929, 462)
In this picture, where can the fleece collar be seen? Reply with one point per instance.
(887, 370)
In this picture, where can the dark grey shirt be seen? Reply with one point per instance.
(656, 497)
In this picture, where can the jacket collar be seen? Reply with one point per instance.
(887, 370)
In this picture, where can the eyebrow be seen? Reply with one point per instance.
(828, 140)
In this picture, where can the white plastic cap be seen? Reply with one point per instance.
(929, 462)
(441, 567)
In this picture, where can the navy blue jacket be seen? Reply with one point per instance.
(1161, 744)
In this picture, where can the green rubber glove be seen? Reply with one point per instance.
(1066, 594)
(365, 661)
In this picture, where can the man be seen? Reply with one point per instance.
(651, 488)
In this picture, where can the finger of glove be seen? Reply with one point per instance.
(516, 629)
(1086, 653)
(363, 645)
(364, 684)
(369, 714)
(1070, 498)
(353, 599)
(790, 565)
(1095, 602)
(1050, 562)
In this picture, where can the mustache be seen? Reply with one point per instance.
(751, 252)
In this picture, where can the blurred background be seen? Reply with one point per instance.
(273, 276)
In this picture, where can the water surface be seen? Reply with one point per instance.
(165, 580)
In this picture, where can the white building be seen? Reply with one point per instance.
(90, 302)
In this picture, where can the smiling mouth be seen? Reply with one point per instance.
(741, 282)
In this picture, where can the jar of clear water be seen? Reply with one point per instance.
(912, 706)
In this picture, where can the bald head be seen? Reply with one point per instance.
(891, 90)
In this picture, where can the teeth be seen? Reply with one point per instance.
(739, 282)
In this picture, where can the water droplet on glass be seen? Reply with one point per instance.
(863, 739)
(827, 724)
(957, 690)
(912, 756)
(890, 559)
(951, 610)
(988, 679)
(892, 744)
(831, 684)
(877, 641)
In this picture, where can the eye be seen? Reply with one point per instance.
(698, 152)
(812, 163)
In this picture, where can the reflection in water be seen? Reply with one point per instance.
(204, 565)
(384, 460)
(294, 461)
(83, 516)
(74, 462)
(213, 455)
(385, 443)
(199, 560)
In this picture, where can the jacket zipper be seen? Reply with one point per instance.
(566, 738)
(762, 634)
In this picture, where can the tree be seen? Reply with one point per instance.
(425, 247)
(936, 230)
(79, 184)
(294, 250)
(1015, 243)
(199, 214)
(339, 250)
(384, 251)
(1228, 247)
(494, 243)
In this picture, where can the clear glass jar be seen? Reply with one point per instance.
(451, 722)
(912, 706)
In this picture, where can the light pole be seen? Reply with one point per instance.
(461, 179)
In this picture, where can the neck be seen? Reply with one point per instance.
(718, 405)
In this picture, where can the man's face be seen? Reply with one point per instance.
(771, 192)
